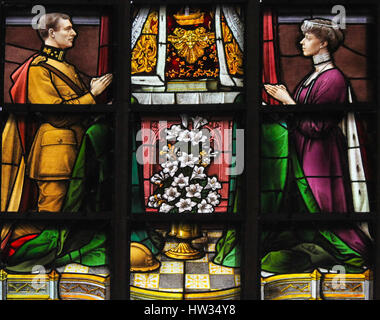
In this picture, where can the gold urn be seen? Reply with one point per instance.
(185, 233)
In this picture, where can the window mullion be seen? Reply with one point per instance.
(119, 238)
(251, 260)
(376, 269)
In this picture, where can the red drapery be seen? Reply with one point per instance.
(269, 53)
(104, 49)
(104, 63)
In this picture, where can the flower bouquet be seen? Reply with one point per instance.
(183, 185)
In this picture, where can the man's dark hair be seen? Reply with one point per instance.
(50, 20)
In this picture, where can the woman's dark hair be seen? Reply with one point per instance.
(324, 30)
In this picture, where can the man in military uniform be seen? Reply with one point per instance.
(52, 80)
(47, 78)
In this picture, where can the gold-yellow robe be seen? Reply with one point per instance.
(57, 141)
(47, 88)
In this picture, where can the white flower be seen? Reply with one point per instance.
(165, 207)
(184, 136)
(196, 137)
(205, 161)
(181, 181)
(154, 201)
(184, 120)
(171, 193)
(213, 198)
(187, 160)
(198, 173)
(205, 207)
(173, 132)
(206, 156)
(159, 177)
(170, 167)
(199, 122)
(213, 184)
(169, 152)
(185, 205)
(194, 191)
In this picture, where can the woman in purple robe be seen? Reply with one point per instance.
(318, 140)
(320, 143)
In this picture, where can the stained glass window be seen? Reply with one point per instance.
(54, 261)
(85, 60)
(58, 158)
(187, 164)
(58, 149)
(189, 54)
(189, 151)
(316, 161)
(85, 172)
(340, 187)
(209, 274)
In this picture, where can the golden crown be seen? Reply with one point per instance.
(189, 19)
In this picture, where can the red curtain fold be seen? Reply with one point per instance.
(104, 42)
(268, 25)
(269, 53)
(104, 53)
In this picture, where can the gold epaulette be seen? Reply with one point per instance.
(38, 60)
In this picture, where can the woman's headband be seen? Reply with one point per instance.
(309, 24)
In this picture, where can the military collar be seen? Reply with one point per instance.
(53, 53)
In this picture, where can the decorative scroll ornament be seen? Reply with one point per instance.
(190, 44)
(144, 54)
(234, 56)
